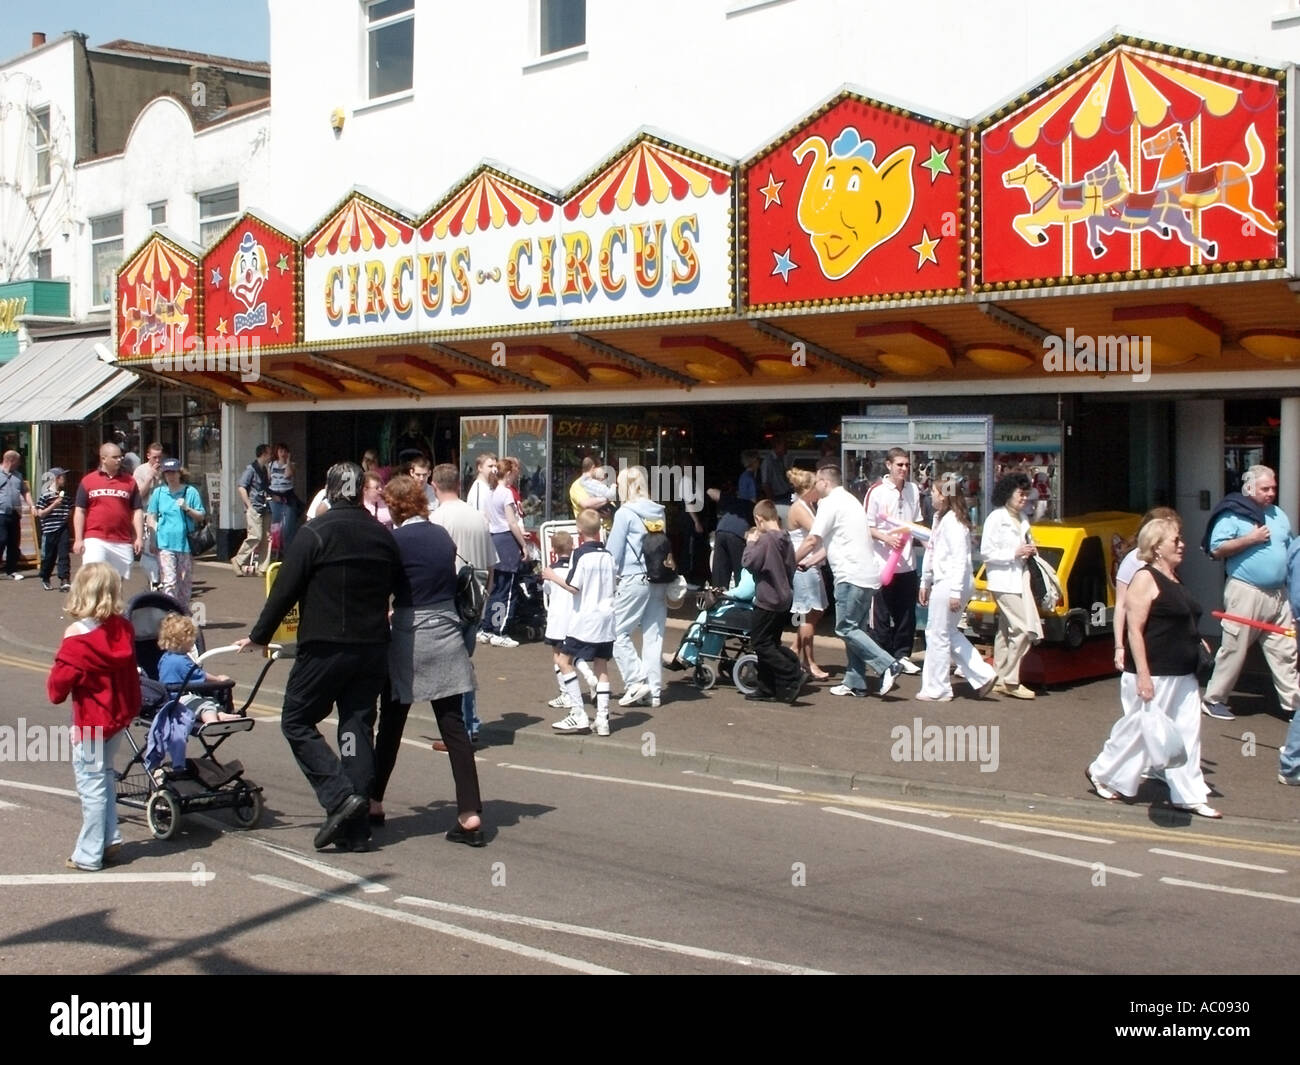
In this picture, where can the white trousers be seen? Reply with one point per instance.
(1124, 758)
(945, 643)
(119, 556)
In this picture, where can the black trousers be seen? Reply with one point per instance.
(460, 751)
(728, 549)
(11, 534)
(324, 675)
(893, 614)
(778, 666)
(54, 548)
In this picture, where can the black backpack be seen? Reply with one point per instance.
(469, 594)
(657, 553)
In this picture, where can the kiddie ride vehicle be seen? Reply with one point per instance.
(1085, 551)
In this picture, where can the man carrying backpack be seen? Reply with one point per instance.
(638, 543)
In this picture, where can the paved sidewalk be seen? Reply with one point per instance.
(1032, 751)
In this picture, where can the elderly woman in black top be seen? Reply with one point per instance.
(1160, 658)
(427, 656)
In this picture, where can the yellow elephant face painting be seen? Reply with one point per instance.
(849, 205)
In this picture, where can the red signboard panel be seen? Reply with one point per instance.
(249, 281)
(863, 200)
(157, 307)
(1139, 160)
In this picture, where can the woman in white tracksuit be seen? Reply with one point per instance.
(946, 589)
(638, 604)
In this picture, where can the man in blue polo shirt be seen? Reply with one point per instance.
(1251, 535)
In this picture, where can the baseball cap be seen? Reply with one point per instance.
(56, 471)
(171, 466)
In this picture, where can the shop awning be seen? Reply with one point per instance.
(59, 380)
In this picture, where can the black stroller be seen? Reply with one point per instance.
(167, 793)
(529, 621)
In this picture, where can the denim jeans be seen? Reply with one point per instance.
(92, 764)
(468, 701)
(638, 604)
(286, 516)
(852, 617)
(54, 551)
(1289, 763)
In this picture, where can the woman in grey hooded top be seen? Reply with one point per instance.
(638, 604)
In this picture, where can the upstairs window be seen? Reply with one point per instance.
(41, 145)
(105, 256)
(158, 213)
(390, 46)
(563, 25)
(217, 209)
(42, 268)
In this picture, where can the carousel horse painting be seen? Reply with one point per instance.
(1133, 212)
(1050, 202)
(1226, 184)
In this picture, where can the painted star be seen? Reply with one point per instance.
(216, 276)
(276, 322)
(784, 264)
(937, 163)
(925, 249)
(282, 263)
(771, 191)
(222, 328)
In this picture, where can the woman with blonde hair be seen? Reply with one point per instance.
(638, 604)
(1161, 645)
(809, 588)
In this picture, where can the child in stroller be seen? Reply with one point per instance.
(717, 641)
(200, 705)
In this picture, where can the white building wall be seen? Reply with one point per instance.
(166, 160)
(31, 217)
(724, 75)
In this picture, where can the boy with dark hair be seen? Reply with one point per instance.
(590, 636)
(770, 558)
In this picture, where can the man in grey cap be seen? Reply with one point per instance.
(341, 570)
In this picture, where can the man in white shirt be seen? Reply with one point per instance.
(891, 503)
(841, 525)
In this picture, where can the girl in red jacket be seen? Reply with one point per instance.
(95, 664)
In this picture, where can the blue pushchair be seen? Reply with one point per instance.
(716, 643)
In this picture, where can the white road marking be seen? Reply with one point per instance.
(615, 937)
(495, 942)
(1046, 855)
(23, 785)
(1216, 861)
(1229, 890)
(646, 784)
(765, 787)
(1047, 832)
(343, 875)
(100, 877)
(9, 805)
(879, 805)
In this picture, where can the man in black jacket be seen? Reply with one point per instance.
(340, 570)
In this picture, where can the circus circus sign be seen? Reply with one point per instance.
(156, 305)
(649, 234)
(1138, 161)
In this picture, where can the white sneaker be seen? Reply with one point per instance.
(575, 722)
(634, 694)
(560, 702)
(498, 640)
(890, 677)
(602, 724)
(909, 667)
(481, 636)
(844, 689)
(15, 576)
